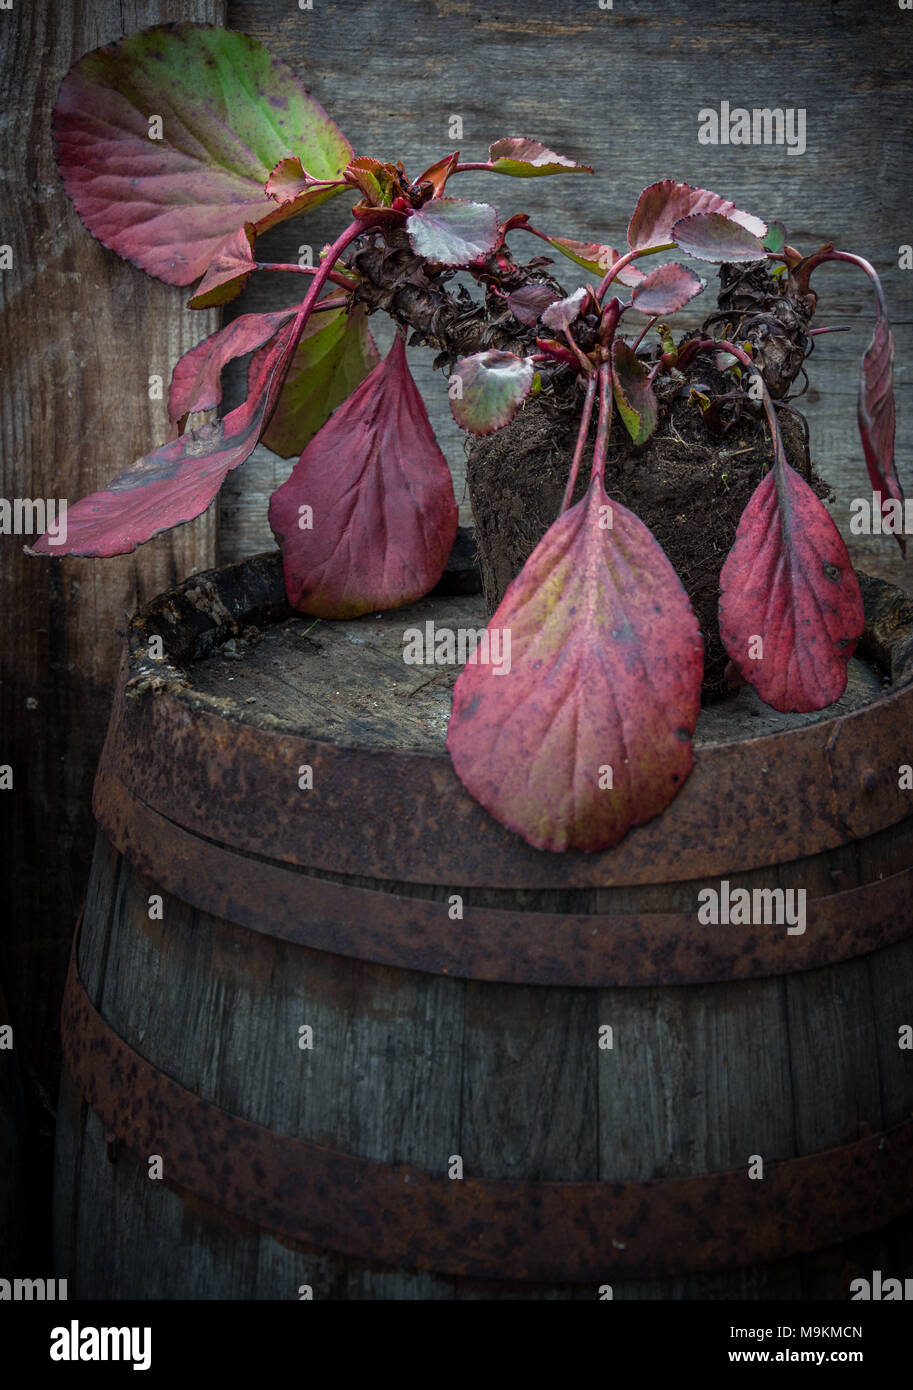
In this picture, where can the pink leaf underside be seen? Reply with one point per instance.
(229, 113)
(196, 382)
(287, 181)
(709, 236)
(875, 413)
(383, 512)
(228, 271)
(563, 312)
(666, 290)
(663, 204)
(527, 158)
(788, 581)
(177, 482)
(605, 674)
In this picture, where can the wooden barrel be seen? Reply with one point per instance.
(329, 1027)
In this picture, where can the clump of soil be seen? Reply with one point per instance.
(688, 485)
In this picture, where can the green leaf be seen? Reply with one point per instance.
(335, 354)
(775, 239)
(375, 180)
(633, 392)
(596, 258)
(165, 141)
(492, 386)
(529, 159)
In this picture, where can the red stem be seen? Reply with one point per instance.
(581, 443)
(336, 276)
(605, 421)
(643, 335)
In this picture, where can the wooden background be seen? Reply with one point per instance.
(82, 331)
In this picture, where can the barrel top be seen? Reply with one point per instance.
(213, 725)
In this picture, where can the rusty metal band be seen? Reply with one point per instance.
(596, 950)
(392, 814)
(400, 1215)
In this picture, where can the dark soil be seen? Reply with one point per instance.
(687, 484)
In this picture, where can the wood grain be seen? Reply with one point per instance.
(81, 333)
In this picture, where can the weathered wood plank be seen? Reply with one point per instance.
(82, 332)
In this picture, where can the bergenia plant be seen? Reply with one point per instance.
(181, 144)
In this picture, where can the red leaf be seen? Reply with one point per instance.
(663, 204)
(177, 482)
(383, 510)
(666, 290)
(164, 144)
(527, 303)
(875, 412)
(788, 581)
(604, 684)
(228, 272)
(196, 382)
(438, 173)
(709, 236)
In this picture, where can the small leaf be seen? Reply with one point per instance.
(377, 181)
(167, 204)
(526, 304)
(875, 411)
(666, 290)
(709, 236)
(663, 204)
(453, 231)
(494, 385)
(177, 482)
(288, 181)
(335, 354)
(528, 159)
(788, 581)
(196, 380)
(438, 173)
(775, 239)
(588, 731)
(381, 499)
(596, 258)
(633, 393)
(228, 271)
(563, 312)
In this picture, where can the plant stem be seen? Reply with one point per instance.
(643, 335)
(323, 273)
(742, 356)
(630, 256)
(605, 421)
(336, 276)
(581, 443)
